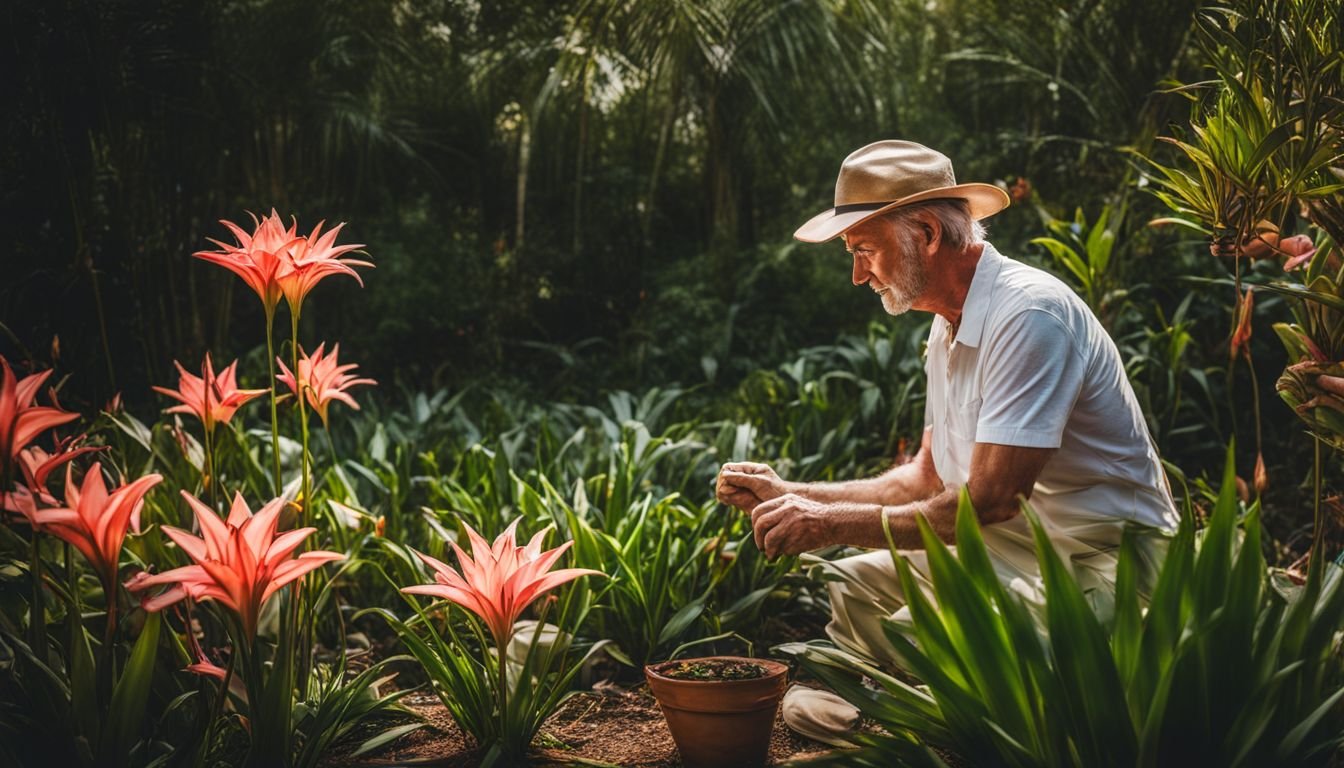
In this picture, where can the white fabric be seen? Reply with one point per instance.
(1031, 366)
(820, 715)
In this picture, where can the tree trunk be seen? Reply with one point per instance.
(580, 156)
(520, 216)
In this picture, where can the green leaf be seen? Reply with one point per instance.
(1289, 750)
(1089, 681)
(84, 703)
(386, 737)
(681, 621)
(125, 716)
(978, 637)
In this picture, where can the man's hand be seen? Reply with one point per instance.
(745, 484)
(790, 524)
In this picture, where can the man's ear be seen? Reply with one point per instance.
(932, 229)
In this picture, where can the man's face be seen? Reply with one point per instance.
(887, 259)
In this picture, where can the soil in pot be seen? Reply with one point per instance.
(711, 669)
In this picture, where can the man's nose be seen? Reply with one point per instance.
(860, 271)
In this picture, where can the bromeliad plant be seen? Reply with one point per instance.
(241, 563)
(1225, 667)
(498, 685)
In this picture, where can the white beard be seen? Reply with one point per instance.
(907, 284)
(896, 301)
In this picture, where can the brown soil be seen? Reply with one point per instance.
(710, 669)
(608, 726)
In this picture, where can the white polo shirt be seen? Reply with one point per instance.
(1031, 366)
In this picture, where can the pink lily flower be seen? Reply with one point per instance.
(36, 465)
(94, 520)
(1295, 251)
(1299, 249)
(207, 668)
(203, 665)
(240, 562)
(256, 257)
(307, 262)
(501, 580)
(20, 419)
(322, 379)
(210, 398)
(1241, 337)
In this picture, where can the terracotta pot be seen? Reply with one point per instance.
(721, 723)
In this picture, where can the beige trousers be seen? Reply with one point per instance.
(865, 590)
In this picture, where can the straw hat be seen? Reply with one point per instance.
(889, 174)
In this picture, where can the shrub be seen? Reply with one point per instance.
(1227, 666)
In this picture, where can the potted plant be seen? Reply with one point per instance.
(720, 709)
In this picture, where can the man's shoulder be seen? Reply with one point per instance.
(1021, 287)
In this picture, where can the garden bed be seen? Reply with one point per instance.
(607, 726)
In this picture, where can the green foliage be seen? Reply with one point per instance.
(1226, 665)
(81, 704)
(1267, 127)
(335, 705)
(1085, 252)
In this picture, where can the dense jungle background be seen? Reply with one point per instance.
(576, 197)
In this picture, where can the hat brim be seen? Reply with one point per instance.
(985, 200)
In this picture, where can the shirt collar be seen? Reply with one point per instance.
(975, 309)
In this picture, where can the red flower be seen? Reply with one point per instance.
(36, 465)
(256, 257)
(1241, 337)
(94, 521)
(210, 398)
(240, 562)
(310, 260)
(322, 379)
(20, 419)
(501, 581)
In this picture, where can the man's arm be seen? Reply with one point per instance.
(747, 484)
(903, 484)
(999, 474)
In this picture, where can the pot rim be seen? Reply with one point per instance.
(773, 669)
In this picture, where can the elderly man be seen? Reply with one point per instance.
(1027, 399)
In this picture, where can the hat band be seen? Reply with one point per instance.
(856, 207)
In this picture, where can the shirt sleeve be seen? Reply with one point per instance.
(1032, 374)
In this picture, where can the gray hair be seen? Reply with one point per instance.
(959, 228)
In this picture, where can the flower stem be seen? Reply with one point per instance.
(37, 612)
(300, 615)
(275, 424)
(300, 398)
(211, 481)
(1255, 410)
(1317, 532)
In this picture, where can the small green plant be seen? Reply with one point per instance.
(1085, 252)
(497, 692)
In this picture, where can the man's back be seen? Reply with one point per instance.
(1031, 366)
